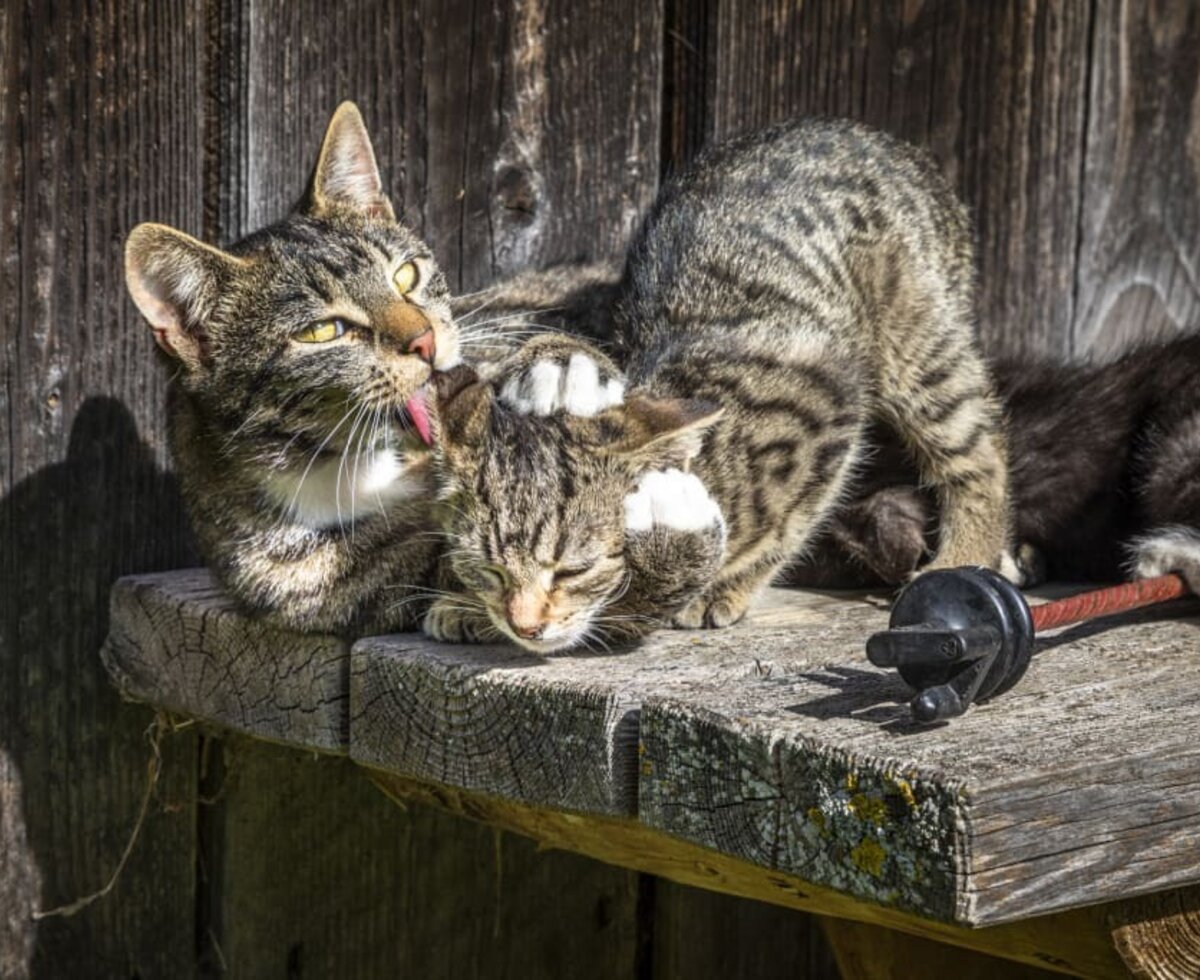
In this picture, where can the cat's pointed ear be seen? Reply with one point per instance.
(464, 407)
(346, 174)
(661, 432)
(175, 280)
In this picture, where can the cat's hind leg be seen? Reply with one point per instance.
(949, 415)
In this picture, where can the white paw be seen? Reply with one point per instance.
(671, 499)
(1007, 566)
(549, 387)
(1169, 549)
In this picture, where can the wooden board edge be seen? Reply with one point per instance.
(1075, 942)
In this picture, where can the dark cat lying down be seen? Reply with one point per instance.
(1105, 477)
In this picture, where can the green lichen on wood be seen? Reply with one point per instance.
(873, 830)
(884, 835)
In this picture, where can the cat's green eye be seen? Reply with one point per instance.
(321, 333)
(405, 279)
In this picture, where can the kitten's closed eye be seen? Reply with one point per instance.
(572, 571)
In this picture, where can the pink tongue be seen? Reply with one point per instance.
(419, 413)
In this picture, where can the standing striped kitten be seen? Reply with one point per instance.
(299, 419)
(803, 280)
(806, 279)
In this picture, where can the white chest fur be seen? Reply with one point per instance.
(337, 491)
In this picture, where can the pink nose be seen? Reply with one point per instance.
(423, 346)
(527, 632)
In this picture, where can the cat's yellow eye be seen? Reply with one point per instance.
(405, 279)
(321, 333)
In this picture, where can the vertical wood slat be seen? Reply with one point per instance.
(1139, 250)
(323, 876)
(995, 91)
(507, 135)
(98, 132)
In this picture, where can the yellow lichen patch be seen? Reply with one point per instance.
(868, 856)
(851, 781)
(904, 788)
(868, 808)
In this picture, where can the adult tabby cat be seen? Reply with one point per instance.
(299, 422)
(801, 281)
(1105, 475)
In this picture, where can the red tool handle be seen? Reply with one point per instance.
(1105, 602)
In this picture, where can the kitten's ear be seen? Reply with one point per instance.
(174, 280)
(464, 406)
(346, 175)
(662, 432)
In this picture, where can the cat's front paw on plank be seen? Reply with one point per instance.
(554, 374)
(451, 620)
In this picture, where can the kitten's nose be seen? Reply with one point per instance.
(424, 346)
(526, 615)
(528, 632)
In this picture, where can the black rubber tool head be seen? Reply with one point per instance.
(957, 636)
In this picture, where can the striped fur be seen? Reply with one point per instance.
(802, 280)
(305, 465)
(806, 279)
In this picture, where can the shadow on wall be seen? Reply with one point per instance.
(72, 757)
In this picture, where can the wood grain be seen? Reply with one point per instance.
(1019, 807)
(867, 952)
(495, 720)
(1078, 942)
(1158, 936)
(178, 642)
(1139, 257)
(388, 892)
(101, 127)
(997, 92)
(505, 133)
(775, 743)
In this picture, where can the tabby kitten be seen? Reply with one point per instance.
(849, 297)
(299, 418)
(1105, 475)
(565, 530)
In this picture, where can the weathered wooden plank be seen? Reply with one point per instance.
(557, 731)
(505, 133)
(317, 874)
(775, 742)
(996, 91)
(813, 767)
(1139, 250)
(100, 126)
(496, 720)
(178, 642)
(1078, 942)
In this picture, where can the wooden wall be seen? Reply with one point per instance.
(513, 133)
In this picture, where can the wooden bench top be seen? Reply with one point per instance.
(774, 743)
